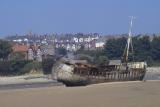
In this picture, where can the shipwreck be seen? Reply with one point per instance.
(79, 72)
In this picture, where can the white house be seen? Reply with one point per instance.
(100, 43)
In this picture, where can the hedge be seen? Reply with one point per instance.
(14, 67)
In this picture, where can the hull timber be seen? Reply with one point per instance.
(81, 74)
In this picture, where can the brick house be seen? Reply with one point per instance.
(30, 52)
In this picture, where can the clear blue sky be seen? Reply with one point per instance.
(73, 16)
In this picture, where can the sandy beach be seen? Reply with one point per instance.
(128, 94)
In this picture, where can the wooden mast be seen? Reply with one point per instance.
(129, 42)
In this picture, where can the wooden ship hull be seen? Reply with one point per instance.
(81, 75)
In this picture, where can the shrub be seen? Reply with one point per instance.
(85, 57)
(14, 67)
(17, 56)
(37, 66)
(102, 60)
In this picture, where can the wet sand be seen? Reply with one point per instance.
(129, 94)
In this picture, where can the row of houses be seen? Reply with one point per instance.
(36, 47)
(69, 42)
(33, 52)
(75, 42)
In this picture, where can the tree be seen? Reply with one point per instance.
(5, 49)
(17, 56)
(82, 48)
(155, 48)
(47, 65)
(142, 48)
(114, 48)
(62, 51)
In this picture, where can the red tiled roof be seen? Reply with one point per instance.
(20, 48)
